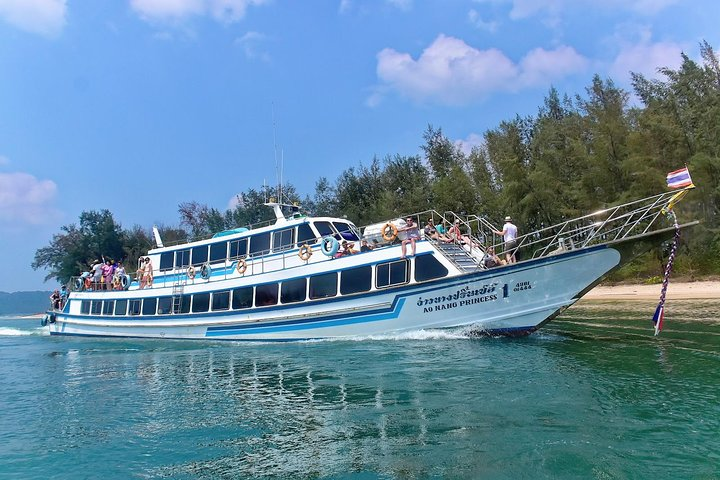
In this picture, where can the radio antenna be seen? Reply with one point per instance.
(278, 163)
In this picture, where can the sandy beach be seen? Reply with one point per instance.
(676, 291)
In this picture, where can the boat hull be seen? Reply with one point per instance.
(512, 300)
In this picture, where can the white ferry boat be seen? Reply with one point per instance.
(284, 281)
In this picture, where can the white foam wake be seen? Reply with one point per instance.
(416, 335)
(18, 332)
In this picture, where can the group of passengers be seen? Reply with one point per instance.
(105, 275)
(348, 248)
(453, 234)
(58, 298)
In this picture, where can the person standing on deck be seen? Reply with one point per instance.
(509, 234)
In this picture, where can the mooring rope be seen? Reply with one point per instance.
(660, 310)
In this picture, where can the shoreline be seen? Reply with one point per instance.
(704, 290)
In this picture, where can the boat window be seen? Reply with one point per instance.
(305, 234)
(283, 239)
(164, 305)
(108, 307)
(183, 305)
(166, 261)
(347, 231)
(121, 307)
(218, 252)
(260, 244)
(96, 307)
(355, 280)
(292, 291)
(323, 286)
(391, 273)
(238, 248)
(221, 300)
(85, 307)
(199, 255)
(428, 267)
(182, 258)
(266, 294)
(242, 298)
(201, 302)
(134, 307)
(149, 306)
(324, 229)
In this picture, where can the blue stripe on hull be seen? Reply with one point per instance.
(303, 324)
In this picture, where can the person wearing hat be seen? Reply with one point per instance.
(509, 234)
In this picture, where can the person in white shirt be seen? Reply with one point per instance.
(509, 234)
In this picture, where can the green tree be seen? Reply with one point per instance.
(73, 250)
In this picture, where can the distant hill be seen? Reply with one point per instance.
(24, 302)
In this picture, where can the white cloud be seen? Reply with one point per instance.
(45, 17)
(250, 44)
(226, 11)
(638, 53)
(344, 6)
(553, 9)
(450, 71)
(646, 59)
(25, 200)
(476, 20)
(466, 146)
(401, 4)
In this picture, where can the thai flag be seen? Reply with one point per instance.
(679, 178)
(658, 318)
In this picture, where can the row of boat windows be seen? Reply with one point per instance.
(354, 280)
(277, 241)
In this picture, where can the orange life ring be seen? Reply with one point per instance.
(241, 266)
(191, 272)
(305, 252)
(389, 232)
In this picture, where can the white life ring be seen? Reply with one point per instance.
(191, 272)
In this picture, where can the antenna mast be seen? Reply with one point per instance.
(278, 164)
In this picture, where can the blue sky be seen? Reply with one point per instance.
(138, 105)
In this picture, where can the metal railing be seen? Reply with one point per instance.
(611, 224)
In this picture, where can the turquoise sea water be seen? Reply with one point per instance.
(593, 395)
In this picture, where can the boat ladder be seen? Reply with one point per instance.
(177, 295)
(459, 257)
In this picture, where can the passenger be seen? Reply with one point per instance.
(55, 300)
(455, 234)
(413, 234)
(119, 273)
(141, 273)
(96, 270)
(147, 278)
(365, 247)
(348, 248)
(107, 273)
(63, 296)
(442, 230)
(509, 234)
(491, 259)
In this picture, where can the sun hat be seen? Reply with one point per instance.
(507, 219)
